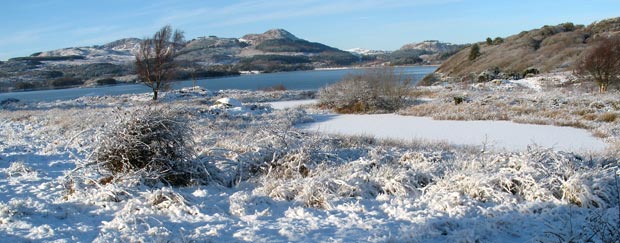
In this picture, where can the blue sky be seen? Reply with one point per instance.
(30, 26)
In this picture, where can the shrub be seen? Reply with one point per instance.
(568, 26)
(532, 71)
(474, 52)
(459, 100)
(379, 89)
(153, 143)
(21, 85)
(429, 80)
(534, 43)
(106, 81)
(66, 82)
(498, 40)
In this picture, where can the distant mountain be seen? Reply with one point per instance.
(116, 52)
(426, 52)
(257, 39)
(432, 46)
(366, 52)
(272, 51)
(547, 49)
(430, 52)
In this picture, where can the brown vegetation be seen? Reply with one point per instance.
(550, 48)
(602, 63)
(375, 90)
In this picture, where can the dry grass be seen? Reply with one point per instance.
(608, 117)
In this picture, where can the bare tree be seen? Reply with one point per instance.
(602, 63)
(155, 58)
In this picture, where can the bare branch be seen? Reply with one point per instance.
(155, 59)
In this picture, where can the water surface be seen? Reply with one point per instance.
(299, 80)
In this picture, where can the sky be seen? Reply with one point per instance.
(30, 26)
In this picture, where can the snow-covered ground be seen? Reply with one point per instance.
(291, 104)
(271, 182)
(502, 135)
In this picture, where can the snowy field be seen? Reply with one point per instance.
(265, 180)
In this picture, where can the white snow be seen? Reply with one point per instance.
(231, 102)
(497, 134)
(280, 105)
(539, 81)
(317, 188)
(362, 51)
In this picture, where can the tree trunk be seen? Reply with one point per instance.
(155, 94)
(602, 88)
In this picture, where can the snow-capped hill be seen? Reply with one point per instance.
(431, 46)
(362, 51)
(71, 51)
(119, 51)
(127, 44)
(256, 39)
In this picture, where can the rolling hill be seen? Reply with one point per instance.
(543, 50)
(272, 51)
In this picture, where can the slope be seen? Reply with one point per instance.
(547, 49)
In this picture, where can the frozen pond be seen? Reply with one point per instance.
(494, 134)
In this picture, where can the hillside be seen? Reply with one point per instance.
(272, 51)
(426, 52)
(547, 49)
(430, 52)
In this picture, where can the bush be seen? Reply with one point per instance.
(489, 41)
(474, 52)
(429, 80)
(498, 40)
(375, 90)
(21, 85)
(530, 71)
(66, 82)
(106, 81)
(153, 143)
(568, 26)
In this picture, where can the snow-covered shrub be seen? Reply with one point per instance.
(18, 169)
(375, 90)
(155, 143)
